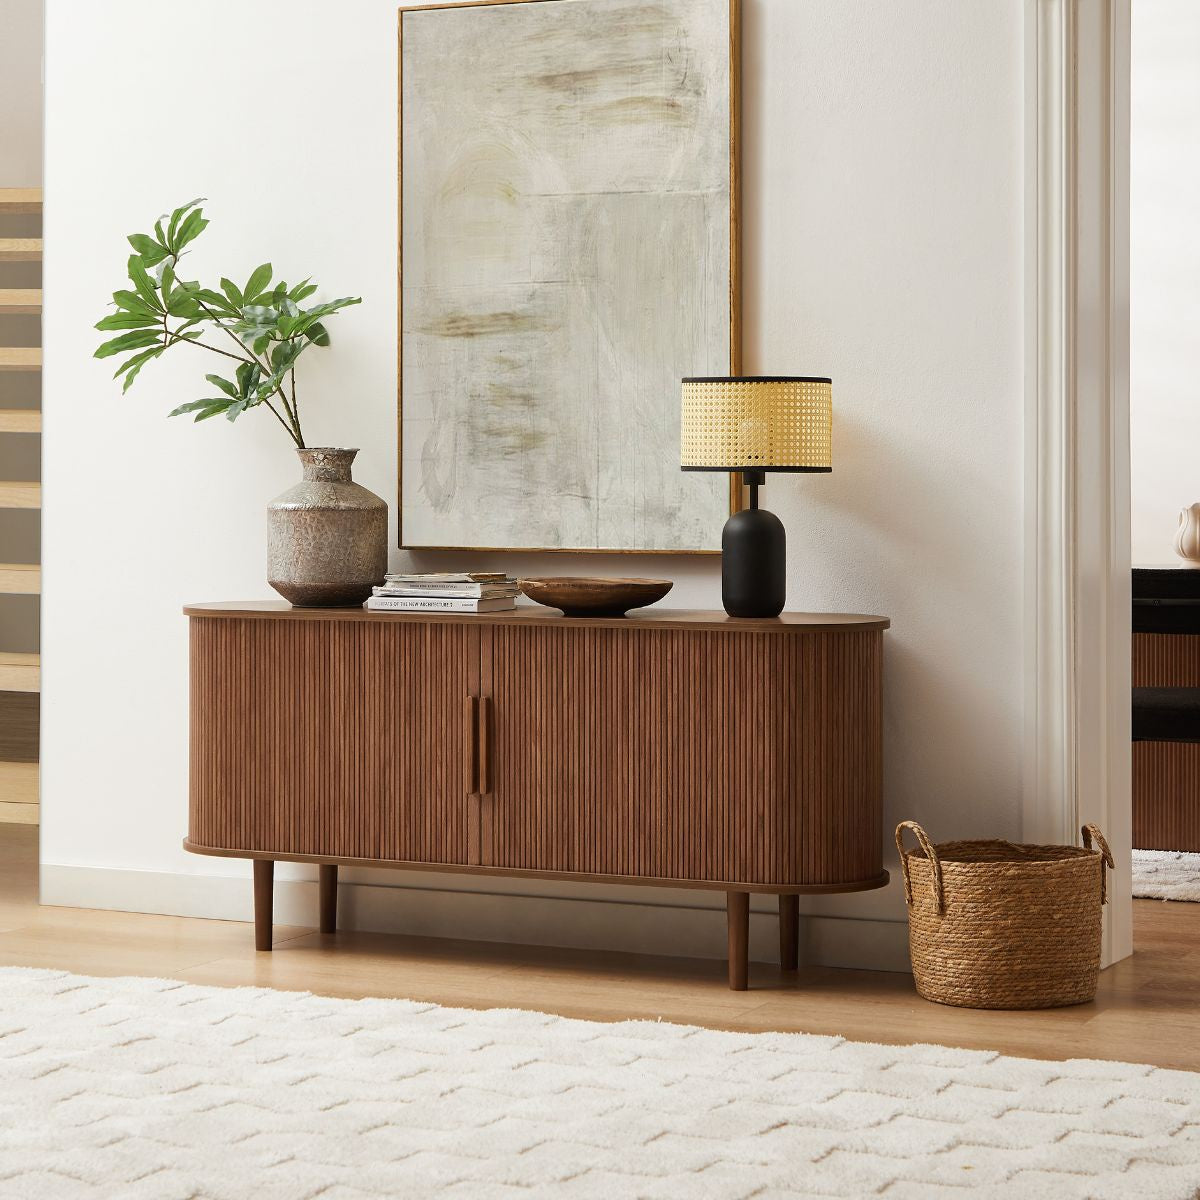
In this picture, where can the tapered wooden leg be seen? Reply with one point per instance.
(789, 932)
(264, 895)
(738, 914)
(328, 885)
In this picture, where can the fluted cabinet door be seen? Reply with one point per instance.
(1166, 660)
(690, 755)
(330, 738)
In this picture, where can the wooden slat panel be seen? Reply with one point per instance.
(20, 495)
(20, 358)
(1166, 796)
(1166, 660)
(1166, 775)
(20, 200)
(331, 738)
(689, 755)
(19, 783)
(20, 300)
(20, 672)
(19, 721)
(20, 249)
(18, 814)
(20, 579)
(20, 420)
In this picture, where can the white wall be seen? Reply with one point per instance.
(883, 239)
(1164, 335)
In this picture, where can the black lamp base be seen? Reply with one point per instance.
(753, 563)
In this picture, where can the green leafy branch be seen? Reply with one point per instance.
(266, 325)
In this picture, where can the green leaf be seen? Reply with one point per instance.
(185, 306)
(259, 314)
(210, 406)
(137, 359)
(143, 282)
(134, 365)
(216, 301)
(158, 229)
(129, 341)
(248, 375)
(127, 320)
(190, 406)
(132, 302)
(317, 334)
(215, 305)
(260, 344)
(302, 290)
(184, 301)
(288, 317)
(283, 358)
(150, 251)
(177, 216)
(223, 384)
(330, 306)
(259, 278)
(231, 290)
(194, 225)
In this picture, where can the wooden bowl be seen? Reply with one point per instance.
(579, 596)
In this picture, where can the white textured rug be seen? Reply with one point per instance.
(143, 1089)
(1166, 875)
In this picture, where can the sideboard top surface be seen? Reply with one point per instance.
(649, 618)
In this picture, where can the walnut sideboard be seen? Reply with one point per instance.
(670, 748)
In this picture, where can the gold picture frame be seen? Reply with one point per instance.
(736, 489)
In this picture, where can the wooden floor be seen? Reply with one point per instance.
(1148, 1008)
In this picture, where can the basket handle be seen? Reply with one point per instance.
(1106, 858)
(939, 897)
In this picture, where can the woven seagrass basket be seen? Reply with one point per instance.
(994, 924)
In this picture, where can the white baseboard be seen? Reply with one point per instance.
(654, 923)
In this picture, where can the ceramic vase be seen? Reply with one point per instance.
(1187, 538)
(326, 535)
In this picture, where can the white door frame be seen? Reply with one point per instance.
(1077, 434)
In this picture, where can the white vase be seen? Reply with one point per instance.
(1187, 539)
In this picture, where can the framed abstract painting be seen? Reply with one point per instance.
(568, 253)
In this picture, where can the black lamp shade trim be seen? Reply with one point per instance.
(761, 467)
(757, 379)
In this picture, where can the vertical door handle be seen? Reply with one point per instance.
(471, 745)
(484, 772)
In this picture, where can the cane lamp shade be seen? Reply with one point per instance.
(757, 423)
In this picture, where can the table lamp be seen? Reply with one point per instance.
(754, 424)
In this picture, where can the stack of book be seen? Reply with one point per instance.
(468, 592)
